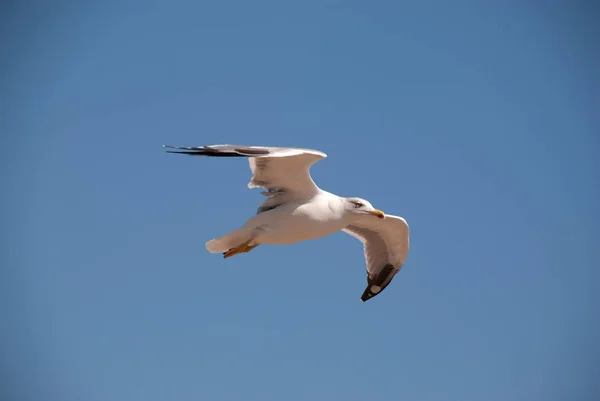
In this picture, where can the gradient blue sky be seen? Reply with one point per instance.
(476, 121)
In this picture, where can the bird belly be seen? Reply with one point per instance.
(284, 236)
(285, 226)
(281, 235)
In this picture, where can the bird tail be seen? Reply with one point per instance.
(226, 242)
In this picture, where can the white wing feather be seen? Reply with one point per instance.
(285, 168)
(285, 172)
(386, 242)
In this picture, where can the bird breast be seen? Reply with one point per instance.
(299, 221)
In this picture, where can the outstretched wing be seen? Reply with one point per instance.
(386, 244)
(285, 172)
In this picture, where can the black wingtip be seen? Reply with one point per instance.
(185, 150)
(376, 285)
(367, 295)
(184, 153)
(204, 151)
(371, 292)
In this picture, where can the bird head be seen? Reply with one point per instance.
(362, 207)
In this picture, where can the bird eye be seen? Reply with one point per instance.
(357, 204)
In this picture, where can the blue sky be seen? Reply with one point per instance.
(476, 121)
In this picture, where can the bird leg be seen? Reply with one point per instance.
(245, 247)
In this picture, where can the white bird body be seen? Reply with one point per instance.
(312, 218)
(298, 210)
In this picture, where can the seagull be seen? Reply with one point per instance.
(296, 209)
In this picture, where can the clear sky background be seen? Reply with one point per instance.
(476, 121)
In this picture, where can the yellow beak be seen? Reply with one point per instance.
(378, 213)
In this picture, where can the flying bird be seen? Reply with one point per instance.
(296, 209)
